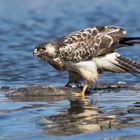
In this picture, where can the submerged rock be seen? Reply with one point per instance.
(67, 92)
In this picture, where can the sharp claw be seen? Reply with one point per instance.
(82, 93)
(83, 97)
(78, 94)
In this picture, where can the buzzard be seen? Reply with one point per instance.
(86, 53)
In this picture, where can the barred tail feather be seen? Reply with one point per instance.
(129, 65)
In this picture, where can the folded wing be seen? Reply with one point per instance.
(91, 42)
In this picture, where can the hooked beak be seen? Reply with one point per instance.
(35, 52)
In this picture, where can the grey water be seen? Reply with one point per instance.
(24, 24)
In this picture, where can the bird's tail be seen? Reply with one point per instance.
(125, 63)
(129, 41)
(128, 65)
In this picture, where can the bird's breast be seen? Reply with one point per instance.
(88, 70)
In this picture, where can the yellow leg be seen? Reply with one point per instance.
(82, 93)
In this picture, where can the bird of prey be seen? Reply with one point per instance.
(86, 53)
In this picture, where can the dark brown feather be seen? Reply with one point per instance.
(88, 43)
(129, 65)
(129, 41)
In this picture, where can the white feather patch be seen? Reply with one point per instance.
(108, 62)
(88, 70)
(51, 49)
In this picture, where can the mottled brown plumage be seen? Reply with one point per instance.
(87, 52)
(91, 42)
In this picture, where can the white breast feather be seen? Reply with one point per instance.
(88, 69)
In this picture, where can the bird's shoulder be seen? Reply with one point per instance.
(91, 32)
(89, 42)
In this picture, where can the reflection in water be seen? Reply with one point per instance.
(59, 116)
(78, 118)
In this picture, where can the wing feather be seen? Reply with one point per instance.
(90, 42)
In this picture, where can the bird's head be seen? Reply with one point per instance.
(45, 51)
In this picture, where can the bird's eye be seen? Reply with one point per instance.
(43, 48)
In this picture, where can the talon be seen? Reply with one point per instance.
(82, 93)
(78, 94)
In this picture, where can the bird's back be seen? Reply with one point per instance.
(91, 42)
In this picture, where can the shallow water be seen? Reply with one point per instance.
(24, 24)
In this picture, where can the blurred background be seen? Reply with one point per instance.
(24, 24)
